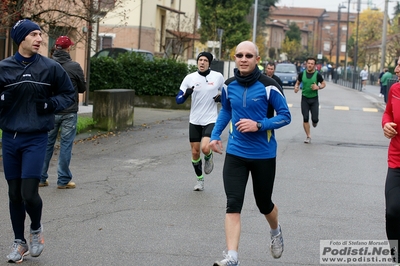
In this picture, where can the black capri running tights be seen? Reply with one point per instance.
(392, 197)
(236, 173)
(310, 105)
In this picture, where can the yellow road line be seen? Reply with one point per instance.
(374, 110)
(342, 108)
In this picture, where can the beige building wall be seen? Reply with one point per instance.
(131, 22)
(78, 51)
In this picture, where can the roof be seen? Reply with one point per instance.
(389, 38)
(171, 9)
(343, 16)
(276, 23)
(297, 11)
(312, 12)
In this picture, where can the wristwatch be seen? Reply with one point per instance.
(259, 125)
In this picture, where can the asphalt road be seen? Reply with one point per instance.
(134, 203)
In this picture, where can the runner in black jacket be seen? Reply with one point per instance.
(32, 89)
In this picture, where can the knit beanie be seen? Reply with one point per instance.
(206, 54)
(21, 29)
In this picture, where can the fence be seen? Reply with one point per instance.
(353, 79)
(390, 83)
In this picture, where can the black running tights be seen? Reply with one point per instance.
(392, 197)
(24, 197)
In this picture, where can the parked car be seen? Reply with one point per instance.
(115, 51)
(287, 73)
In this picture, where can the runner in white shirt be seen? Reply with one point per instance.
(205, 88)
(364, 77)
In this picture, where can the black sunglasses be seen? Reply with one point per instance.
(248, 56)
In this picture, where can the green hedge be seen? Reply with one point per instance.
(161, 77)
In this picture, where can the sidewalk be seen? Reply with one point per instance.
(85, 109)
(145, 116)
(371, 92)
(142, 117)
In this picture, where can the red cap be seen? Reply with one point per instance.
(63, 42)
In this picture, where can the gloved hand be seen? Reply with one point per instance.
(188, 92)
(6, 99)
(217, 98)
(45, 106)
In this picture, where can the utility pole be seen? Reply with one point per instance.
(356, 46)
(255, 21)
(384, 31)
(220, 32)
(88, 50)
(338, 42)
(347, 39)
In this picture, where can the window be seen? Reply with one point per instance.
(343, 47)
(105, 42)
(106, 4)
(327, 46)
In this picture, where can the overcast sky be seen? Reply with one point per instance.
(332, 5)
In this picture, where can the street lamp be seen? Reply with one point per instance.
(263, 8)
(338, 41)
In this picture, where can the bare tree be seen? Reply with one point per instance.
(65, 17)
(332, 44)
(181, 31)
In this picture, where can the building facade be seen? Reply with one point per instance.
(321, 26)
(164, 27)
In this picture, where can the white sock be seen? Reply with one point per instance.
(233, 254)
(276, 231)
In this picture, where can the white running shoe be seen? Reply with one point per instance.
(19, 250)
(208, 165)
(200, 185)
(36, 242)
(276, 246)
(227, 261)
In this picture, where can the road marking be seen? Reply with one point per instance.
(342, 108)
(375, 110)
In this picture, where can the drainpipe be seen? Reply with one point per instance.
(140, 23)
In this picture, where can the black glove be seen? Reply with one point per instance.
(6, 99)
(217, 98)
(188, 92)
(45, 106)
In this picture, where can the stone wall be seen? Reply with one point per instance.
(161, 102)
(113, 109)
